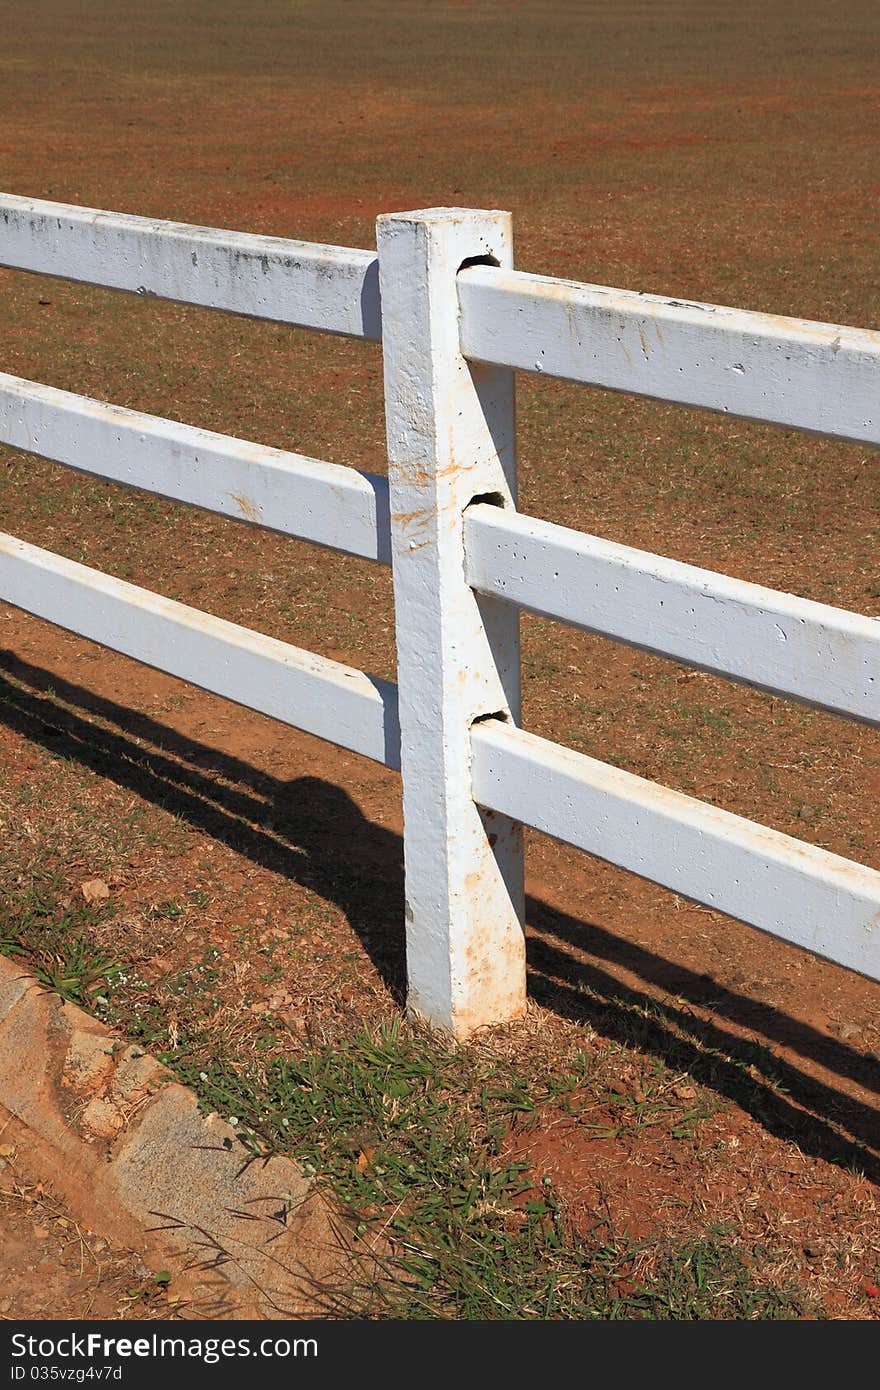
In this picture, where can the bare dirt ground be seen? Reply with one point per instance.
(254, 875)
(55, 1268)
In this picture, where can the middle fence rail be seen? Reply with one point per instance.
(455, 320)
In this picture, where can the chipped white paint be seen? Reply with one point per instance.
(450, 438)
(793, 890)
(332, 288)
(307, 691)
(812, 376)
(322, 502)
(791, 646)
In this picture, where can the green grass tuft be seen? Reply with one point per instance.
(55, 946)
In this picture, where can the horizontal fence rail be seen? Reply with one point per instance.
(785, 371)
(823, 656)
(786, 887)
(331, 288)
(471, 777)
(309, 692)
(323, 502)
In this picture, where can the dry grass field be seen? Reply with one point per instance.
(686, 1125)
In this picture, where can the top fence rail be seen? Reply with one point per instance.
(331, 288)
(818, 377)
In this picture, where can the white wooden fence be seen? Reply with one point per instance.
(455, 321)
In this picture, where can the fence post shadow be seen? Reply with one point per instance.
(296, 827)
(365, 880)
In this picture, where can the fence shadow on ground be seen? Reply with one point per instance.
(295, 829)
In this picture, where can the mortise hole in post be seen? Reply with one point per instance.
(479, 260)
(501, 714)
(490, 499)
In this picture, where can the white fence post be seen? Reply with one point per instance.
(450, 439)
